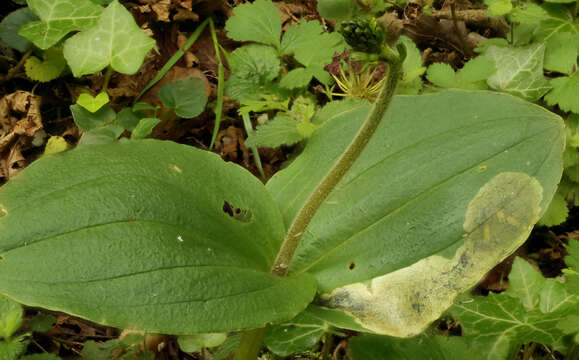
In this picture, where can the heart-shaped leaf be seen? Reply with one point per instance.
(115, 40)
(11, 24)
(58, 18)
(187, 97)
(146, 235)
(445, 175)
(93, 103)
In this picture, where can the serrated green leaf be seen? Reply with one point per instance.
(157, 251)
(281, 130)
(186, 97)
(259, 21)
(556, 213)
(93, 103)
(144, 128)
(441, 74)
(11, 24)
(48, 69)
(412, 68)
(310, 44)
(524, 282)
(192, 343)
(11, 315)
(497, 323)
(115, 40)
(10, 350)
(498, 7)
(99, 351)
(564, 93)
(57, 19)
(519, 71)
(87, 121)
(253, 69)
(475, 70)
(296, 78)
(572, 258)
(527, 13)
(561, 52)
(569, 190)
(432, 347)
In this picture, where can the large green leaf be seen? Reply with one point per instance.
(58, 18)
(146, 235)
(115, 40)
(445, 175)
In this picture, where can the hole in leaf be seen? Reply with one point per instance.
(352, 266)
(243, 215)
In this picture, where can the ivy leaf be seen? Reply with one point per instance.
(556, 213)
(564, 93)
(93, 103)
(498, 7)
(259, 21)
(310, 44)
(281, 130)
(519, 71)
(432, 347)
(55, 144)
(187, 97)
(48, 69)
(528, 311)
(11, 24)
(58, 18)
(253, 68)
(115, 40)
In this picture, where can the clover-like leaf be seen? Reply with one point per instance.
(187, 97)
(47, 69)
(93, 103)
(519, 71)
(57, 19)
(115, 40)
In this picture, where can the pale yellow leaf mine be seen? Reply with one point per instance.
(403, 303)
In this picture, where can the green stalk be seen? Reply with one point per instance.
(176, 56)
(252, 340)
(108, 75)
(220, 87)
(254, 150)
(250, 344)
(341, 167)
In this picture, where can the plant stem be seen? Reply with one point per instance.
(176, 56)
(254, 149)
(12, 72)
(108, 75)
(250, 344)
(341, 167)
(460, 34)
(220, 85)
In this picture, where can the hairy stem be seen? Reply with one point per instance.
(341, 167)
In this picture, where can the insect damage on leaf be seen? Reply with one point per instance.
(243, 215)
(403, 303)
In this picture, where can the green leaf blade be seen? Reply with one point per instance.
(187, 97)
(153, 247)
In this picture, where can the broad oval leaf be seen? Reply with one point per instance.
(445, 175)
(146, 235)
